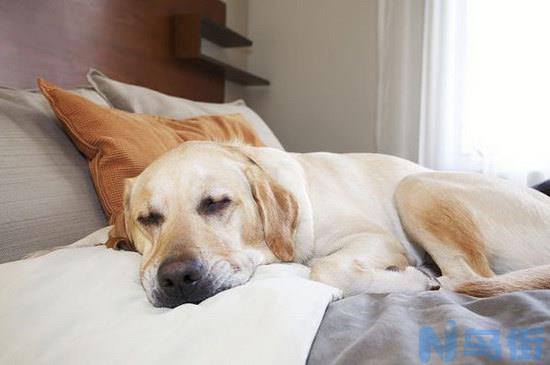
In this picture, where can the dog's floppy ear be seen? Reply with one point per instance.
(278, 210)
(118, 235)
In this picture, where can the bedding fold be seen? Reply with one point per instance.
(435, 327)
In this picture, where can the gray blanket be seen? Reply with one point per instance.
(438, 327)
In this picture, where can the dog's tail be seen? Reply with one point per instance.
(537, 277)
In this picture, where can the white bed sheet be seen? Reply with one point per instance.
(85, 305)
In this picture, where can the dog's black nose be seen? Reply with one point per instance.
(177, 274)
(181, 281)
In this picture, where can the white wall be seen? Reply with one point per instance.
(236, 18)
(320, 56)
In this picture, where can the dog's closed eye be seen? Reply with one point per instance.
(210, 205)
(151, 219)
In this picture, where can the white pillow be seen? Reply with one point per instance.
(85, 305)
(137, 99)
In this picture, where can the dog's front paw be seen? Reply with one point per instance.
(434, 284)
(337, 294)
(422, 280)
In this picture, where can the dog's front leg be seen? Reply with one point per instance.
(370, 263)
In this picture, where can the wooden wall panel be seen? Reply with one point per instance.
(129, 40)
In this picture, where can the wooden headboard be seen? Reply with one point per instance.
(129, 40)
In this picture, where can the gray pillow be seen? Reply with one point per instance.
(137, 99)
(46, 193)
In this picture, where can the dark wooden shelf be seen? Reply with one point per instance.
(222, 36)
(233, 73)
(190, 29)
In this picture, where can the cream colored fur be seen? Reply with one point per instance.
(360, 221)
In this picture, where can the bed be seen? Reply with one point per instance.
(83, 304)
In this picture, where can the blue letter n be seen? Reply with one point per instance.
(429, 340)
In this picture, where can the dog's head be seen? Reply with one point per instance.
(203, 216)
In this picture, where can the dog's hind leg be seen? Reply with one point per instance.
(445, 228)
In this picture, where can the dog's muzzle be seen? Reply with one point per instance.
(182, 280)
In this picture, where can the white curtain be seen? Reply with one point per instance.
(399, 76)
(484, 85)
(442, 85)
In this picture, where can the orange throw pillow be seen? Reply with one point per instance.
(119, 145)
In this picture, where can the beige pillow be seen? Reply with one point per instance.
(46, 193)
(137, 99)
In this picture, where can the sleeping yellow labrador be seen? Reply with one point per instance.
(205, 215)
